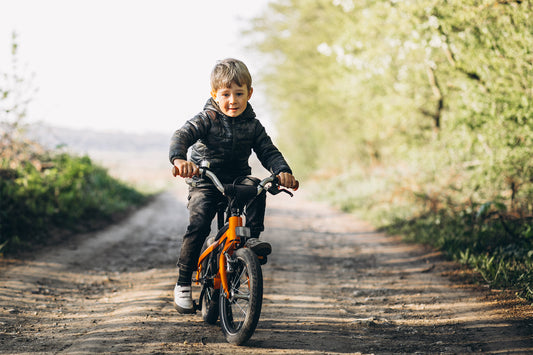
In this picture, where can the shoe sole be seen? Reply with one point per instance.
(182, 310)
(262, 249)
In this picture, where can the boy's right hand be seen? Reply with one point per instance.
(184, 168)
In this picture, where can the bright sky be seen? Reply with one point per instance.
(131, 65)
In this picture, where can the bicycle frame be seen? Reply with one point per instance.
(230, 240)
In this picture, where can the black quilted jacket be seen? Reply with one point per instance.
(226, 143)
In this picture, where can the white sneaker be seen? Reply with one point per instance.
(183, 299)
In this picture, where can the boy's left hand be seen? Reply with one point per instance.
(288, 180)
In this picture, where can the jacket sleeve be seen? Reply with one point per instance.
(267, 153)
(194, 129)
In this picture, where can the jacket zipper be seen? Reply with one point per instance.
(234, 140)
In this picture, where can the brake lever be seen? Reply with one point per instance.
(286, 191)
(274, 190)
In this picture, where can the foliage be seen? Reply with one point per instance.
(418, 112)
(71, 193)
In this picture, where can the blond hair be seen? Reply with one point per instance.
(229, 71)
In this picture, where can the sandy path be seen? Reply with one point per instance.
(332, 285)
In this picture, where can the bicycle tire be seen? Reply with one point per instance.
(210, 305)
(210, 298)
(239, 314)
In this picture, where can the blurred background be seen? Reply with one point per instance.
(129, 66)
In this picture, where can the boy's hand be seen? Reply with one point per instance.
(184, 168)
(288, 180)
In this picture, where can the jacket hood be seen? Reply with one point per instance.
(211, 105)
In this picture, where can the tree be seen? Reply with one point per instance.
(439, 90)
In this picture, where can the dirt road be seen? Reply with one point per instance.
(333, 285)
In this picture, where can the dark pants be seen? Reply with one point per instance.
(203, 205)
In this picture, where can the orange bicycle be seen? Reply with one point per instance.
(229, 267)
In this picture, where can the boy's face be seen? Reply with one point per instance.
(233, 100)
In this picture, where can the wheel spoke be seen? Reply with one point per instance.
(242, 309)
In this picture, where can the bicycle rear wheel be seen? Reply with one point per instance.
(210, 298)
(210, 305)
(239, 313)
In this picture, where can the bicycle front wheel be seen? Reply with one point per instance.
(240, 311)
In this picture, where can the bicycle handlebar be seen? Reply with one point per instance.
(211, 175)
(220, 187)
(204, 171)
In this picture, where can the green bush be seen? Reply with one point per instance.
(70, 193)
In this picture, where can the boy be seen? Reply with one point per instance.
(224, 134)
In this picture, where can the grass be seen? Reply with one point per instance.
(62, 192)
(485, 237)
(503, 256)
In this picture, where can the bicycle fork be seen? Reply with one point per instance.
(225, 256)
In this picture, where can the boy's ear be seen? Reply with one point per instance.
(250, 93)
(214, 95)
